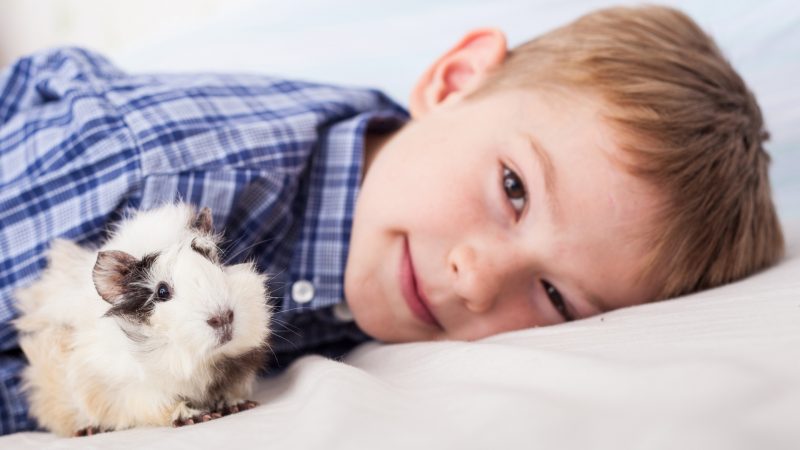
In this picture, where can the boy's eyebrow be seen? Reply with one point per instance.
(549, 175)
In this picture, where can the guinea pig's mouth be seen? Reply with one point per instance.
(224, 337)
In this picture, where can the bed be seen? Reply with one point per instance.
(718, 369)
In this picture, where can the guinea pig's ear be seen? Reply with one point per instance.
(109, 273)
(202, 222)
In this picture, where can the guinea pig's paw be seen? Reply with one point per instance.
(186, 415)
(236, 407)
(89, 431)
(197, 418)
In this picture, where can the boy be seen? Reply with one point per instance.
(611, 162)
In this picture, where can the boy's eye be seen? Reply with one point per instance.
(557, 300)
(514, 189)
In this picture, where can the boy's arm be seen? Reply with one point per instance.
(67, 166)
(54, 181)
(13, 407)
(29, 82)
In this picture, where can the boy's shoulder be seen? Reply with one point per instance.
(186, 121)
(225, 96)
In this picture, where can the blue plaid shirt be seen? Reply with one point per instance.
(278, 162)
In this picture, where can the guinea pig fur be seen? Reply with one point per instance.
(151, 330)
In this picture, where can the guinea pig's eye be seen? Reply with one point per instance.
(163, 292)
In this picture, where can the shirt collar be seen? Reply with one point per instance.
(334, 179)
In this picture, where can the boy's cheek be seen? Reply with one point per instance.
(502, 319)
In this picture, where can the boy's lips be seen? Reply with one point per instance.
(411, 292)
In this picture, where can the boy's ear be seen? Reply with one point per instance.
(459, 71)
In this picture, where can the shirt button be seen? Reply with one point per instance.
(302, 291)
(342, 312)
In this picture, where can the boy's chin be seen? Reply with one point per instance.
(396, 333)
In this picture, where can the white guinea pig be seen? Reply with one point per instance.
(151, 330)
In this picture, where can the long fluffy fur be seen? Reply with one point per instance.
(91, 370)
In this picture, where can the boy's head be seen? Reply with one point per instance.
(614, 161)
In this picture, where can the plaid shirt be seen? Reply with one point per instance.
(278, 162)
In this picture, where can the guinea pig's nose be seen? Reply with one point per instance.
(220, 320)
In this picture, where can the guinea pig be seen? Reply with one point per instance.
(151, 330)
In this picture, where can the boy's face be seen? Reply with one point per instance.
(456, 237)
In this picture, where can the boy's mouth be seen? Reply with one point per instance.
(411, 293)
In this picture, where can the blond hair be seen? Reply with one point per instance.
(690, 125)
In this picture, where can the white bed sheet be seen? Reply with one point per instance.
(715, 370)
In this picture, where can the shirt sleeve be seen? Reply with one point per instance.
(68, 163)
(14, 407)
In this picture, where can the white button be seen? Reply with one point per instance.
(342, 312)
(302, 291)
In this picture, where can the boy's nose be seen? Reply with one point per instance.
(475, 278)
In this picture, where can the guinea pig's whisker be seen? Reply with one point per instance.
(227, 241)
(286, 327)
(235, 255)
(294, 344)
(269, 347)
(272, 276)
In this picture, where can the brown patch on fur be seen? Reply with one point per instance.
(95, 398)
(207, 253)
(50, 401)
(232, 371)
(110, 271)
(203, 222)
(133, 304)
